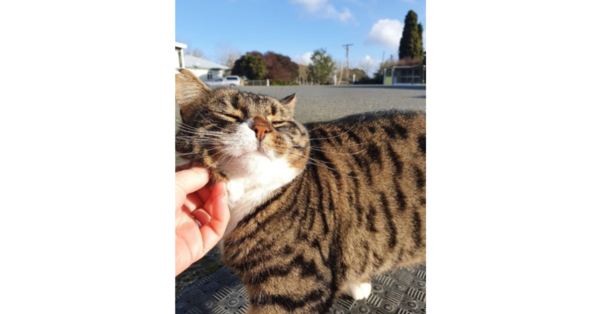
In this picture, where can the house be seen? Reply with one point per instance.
(179, 52)
(204, 69)
(405, 75)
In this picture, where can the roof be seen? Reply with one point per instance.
(192, 62)
(180, 45)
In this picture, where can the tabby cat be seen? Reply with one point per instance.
(316, 209)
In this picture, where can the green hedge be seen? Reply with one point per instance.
(283, 84)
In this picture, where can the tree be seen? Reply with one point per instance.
(226, 54)
(367, 66)
(303, 73)
(251, 65)
(339, 70)
(358, 74)
(280, 68)
(411, 43)
(196, 53)
(322, 66)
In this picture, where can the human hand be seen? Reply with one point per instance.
(197, 201)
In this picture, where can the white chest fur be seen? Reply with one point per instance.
(249, 189)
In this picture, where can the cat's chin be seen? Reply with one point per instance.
(247, 164)
(259, 153)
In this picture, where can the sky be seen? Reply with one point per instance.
(296, 28)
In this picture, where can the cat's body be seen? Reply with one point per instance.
(313, 218)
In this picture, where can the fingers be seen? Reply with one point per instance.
(204, 194)
(193, 202)
(217, 207)
(202, 216)
(220, 210)
(190, 180)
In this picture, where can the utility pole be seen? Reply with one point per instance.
(347, 46)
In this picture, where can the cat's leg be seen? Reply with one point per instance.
(298, 295)
(359, 290)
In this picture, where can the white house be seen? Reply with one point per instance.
(179, 52)
(204, 69)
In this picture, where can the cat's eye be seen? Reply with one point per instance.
(234, 117)
(278, 123)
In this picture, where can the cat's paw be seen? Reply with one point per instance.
(359, 291)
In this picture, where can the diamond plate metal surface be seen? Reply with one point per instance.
(220, 291)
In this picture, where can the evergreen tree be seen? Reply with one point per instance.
(411, 43)
(322, 66)
(251, 65)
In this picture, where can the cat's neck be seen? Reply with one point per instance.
(249, 187)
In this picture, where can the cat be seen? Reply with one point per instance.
(316, 209)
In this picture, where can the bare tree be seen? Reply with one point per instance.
(366, 65)
(340, 67)
(197, 53)
(303, 73)
(191, 49)
(226, 55)
(233, 55)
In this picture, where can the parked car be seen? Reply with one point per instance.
(232, 80)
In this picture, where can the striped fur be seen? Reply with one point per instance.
(356, 208)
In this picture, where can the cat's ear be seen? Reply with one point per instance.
(289, 101)
(189, 89)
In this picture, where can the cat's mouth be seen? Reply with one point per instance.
(259, 151)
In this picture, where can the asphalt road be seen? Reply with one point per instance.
(323, 103)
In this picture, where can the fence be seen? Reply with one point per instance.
(298, 81)
(256, 83)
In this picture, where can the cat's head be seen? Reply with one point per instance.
(235, 133)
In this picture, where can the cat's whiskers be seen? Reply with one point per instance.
(336, 153)
(338, 135)
(209, 123)
(283, 90)
(319, 163)
(201, 132)
(197, 139)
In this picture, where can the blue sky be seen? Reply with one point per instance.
(297, 27)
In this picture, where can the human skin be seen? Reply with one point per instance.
(197, 201)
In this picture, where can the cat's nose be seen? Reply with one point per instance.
(261, 127)
(260, 131)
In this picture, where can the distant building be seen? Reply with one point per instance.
(405, 75)
(206, 70)
(179, 52)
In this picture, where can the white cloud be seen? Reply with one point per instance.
(344, 16)
(303, 59)
(386, 33)
(320, 8)
(311, 5)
